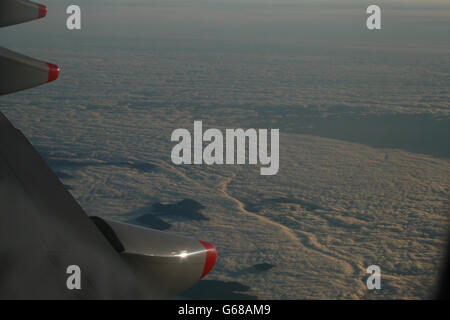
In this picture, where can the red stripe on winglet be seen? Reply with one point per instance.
(42, 11)
(53, 72)
(211, 257)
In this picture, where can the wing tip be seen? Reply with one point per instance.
(42, 11)
(211, 257)
(53, 72)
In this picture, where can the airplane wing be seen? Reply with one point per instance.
(18, 11)
(44, 231)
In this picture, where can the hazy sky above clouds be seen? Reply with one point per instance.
(287, 24)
